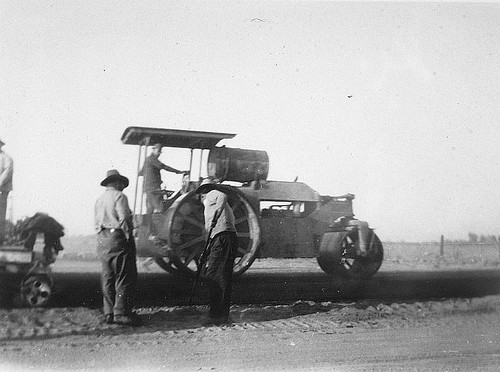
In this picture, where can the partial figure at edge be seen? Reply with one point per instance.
(6, 172)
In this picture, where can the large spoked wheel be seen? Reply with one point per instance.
(185, 232)
(155, 249)
(338, 255)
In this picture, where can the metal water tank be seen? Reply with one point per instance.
(240, 165)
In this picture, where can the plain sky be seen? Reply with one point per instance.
(395, 102)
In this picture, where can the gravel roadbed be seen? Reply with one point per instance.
(39, 323)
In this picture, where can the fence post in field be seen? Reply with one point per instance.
(441, 251)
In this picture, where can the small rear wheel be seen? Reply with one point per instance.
(338, 255)
(36, 290)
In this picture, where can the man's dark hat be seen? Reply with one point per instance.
(206, 185)
(112, 176)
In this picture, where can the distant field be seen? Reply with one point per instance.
(428, 253)
(79, 247)
(453, 254)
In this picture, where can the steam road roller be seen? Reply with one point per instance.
(278, 219)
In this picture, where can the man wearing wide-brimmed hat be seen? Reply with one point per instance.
(116, 248)
(6, 171)
(220, 224)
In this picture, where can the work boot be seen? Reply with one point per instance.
(108, 319)
(131, 320)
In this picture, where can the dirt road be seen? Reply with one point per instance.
(283, 281)
(454, 335)
(369, 333)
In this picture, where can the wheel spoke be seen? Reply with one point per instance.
(240, 220)
(165, 264)
(190, 243)
(191, 257)
(346, 262)
(236, 205)
(243, 234)
(191, 220)
(242, 250)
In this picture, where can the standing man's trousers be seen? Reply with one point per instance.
(154, 202)
(118, 272)
(218, 273)
(3, 213)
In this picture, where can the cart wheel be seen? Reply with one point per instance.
(185, 231)
(36, 290)
(338, 255)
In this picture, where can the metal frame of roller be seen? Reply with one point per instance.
(277, 219)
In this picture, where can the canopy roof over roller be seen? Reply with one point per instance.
(189, 139)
